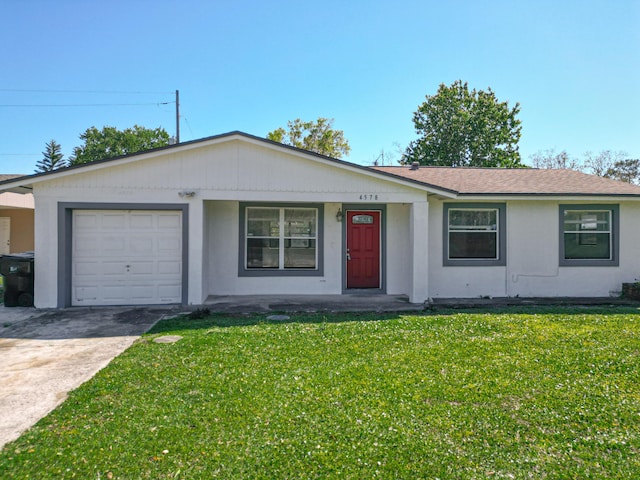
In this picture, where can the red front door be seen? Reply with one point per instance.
(363, 249)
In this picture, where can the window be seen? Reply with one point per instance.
(474, 234)
(280, 240)
(588, 235)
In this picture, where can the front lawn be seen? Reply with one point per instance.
(464, 395)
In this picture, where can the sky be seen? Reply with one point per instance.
(67, 65)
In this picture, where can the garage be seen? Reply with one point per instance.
(126, 257)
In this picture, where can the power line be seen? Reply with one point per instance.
(116, 92)
(18, 154)
(27, 105)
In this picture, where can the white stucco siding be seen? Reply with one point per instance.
(398, 250)
(630, 241)
(534, 249)
(223, 251)
(46, 252)
(532, 268)
(458, 282)
(231, 171)
(221, 176)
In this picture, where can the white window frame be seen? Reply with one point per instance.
(584, 228)
(281, 270)
(499, 230)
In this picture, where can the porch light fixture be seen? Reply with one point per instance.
(339, 215)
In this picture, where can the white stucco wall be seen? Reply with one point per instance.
(532, 268)
(399, 258)
(223, 248)
(221, 176)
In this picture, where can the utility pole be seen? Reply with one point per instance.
(177, 116)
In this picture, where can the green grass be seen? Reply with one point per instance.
(464, 395)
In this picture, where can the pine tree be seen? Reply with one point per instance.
(53, 158)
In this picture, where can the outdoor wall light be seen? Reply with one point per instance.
(186, 194)
(339, 215)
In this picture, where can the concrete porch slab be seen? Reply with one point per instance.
(310, 303)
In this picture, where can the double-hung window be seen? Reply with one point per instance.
(280, 240)
(589, 235)
(474, 234)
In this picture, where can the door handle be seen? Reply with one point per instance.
(348, 255)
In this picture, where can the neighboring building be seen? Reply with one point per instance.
(16, 220)
(235, 214)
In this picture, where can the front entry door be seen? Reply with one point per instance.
(363, 249)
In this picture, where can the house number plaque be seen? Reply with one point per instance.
(369, 196)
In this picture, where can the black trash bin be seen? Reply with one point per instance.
(17, 270)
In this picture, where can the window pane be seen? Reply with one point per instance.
(300, 253)
(587, 246)
(473, 219)
(299, 222)
(473, 245)
(362, 219)
(262, 252)
(263, 222)
(577, 221)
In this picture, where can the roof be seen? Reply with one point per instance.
(8, 176)
(514, 181)
(446, 181)
(23, 184)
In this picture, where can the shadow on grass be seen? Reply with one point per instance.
(230, 320)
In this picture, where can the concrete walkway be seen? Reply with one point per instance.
(44, 354)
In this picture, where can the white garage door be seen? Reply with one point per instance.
(126, 257)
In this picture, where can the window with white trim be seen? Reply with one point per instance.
(589, 235)
(280, 238)
(474, 234)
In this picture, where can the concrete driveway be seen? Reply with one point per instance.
(46, 354)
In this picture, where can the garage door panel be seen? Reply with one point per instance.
(142, 268)
(86, 269)
(86, 245)
(112, 243)
(169, 245)
(85, 220)
(142, 221)
(166, 267)
(143, 292)
(169, 291)
(169, 221)
(85, 295)
(142, 245)
(113, 221)
(141, 264)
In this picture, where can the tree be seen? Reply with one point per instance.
(551, 159)
(627, 170)
(458, 127)
(111, 142)
(319, 137)
(604, 161)
(52, 158)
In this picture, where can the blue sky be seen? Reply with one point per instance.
(574, 67)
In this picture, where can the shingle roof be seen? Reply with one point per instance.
(514, 181)
(8, 176)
